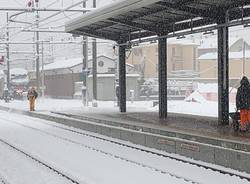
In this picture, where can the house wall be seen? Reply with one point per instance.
(60, 82)
(179, 57)
(106, 87)
(60, 85)
(208, 68)
(238, 46)
(202, 51)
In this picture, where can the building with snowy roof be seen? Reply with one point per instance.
(239, 61)
(62, 75)
(182, 56)
(105, 64)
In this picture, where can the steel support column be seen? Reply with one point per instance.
(94, 67)
(223, 75)
(37, 51)
(162, 60)
(85, 68)
(122, 78)
(8, 54)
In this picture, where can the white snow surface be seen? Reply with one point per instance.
(201, 108)
(195, 97)
(17, 168)
(86, 158)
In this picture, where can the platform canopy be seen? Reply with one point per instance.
(132, 19)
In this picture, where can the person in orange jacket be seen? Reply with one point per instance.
(32, 95)
(243, 103)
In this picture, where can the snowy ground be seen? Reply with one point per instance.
(204, 108)
(87, 159)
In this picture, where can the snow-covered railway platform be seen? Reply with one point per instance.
(36, 147)
(195, 137)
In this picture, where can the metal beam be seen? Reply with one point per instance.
(139, 26)
(41, 9)
(195, 30)
(223, 76)
(208, 13)
(162, 72)
(43, 31)
(31, 43)
(122, 78)
(96, 34)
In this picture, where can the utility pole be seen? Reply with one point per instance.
(8, 54)
(85, 68)
(94, 67)
(37, 48)
(43, 87)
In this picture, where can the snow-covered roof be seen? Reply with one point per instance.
(18, 71)
(211, 42)
(64, 63)
(113, 75)
(67, 63)
(20, 81)
(232, 55)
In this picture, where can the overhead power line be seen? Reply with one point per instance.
(53, 15)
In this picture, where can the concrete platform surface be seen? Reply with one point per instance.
(192, 127)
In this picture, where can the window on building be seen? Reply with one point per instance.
(111, 70)
(100, 63)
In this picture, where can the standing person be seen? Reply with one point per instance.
(117, 93)
(243, 103)
(6, 95)
(32, 95)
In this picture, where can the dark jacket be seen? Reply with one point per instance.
(32, 93)
(243, 94)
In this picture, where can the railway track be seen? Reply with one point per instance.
(128, 146)
(107, 153)
(46, 165)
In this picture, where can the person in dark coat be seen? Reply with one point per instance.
(117, 93)
(243, 103)
(32, 95)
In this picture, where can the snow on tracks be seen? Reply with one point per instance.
(98, 146)
(16, 159)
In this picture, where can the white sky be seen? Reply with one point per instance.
(239, 31)
(53, 22)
